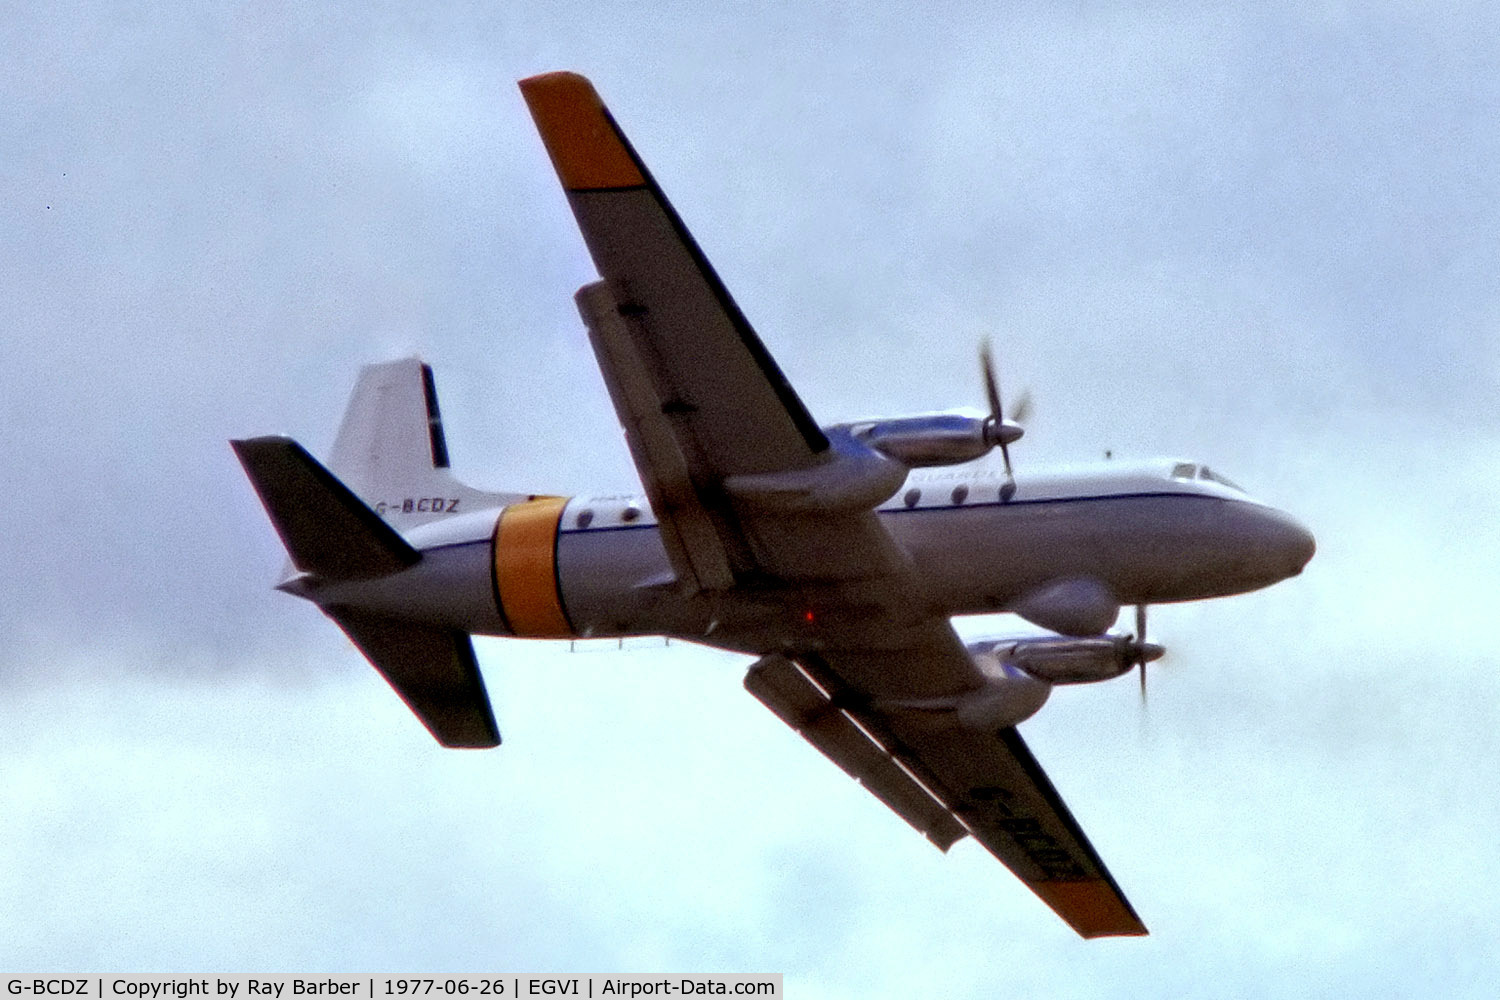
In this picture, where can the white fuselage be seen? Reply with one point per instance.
(1148, 533)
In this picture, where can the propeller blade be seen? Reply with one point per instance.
(991, 380)
(996, 420)
(1021, 412)
(1140, 638)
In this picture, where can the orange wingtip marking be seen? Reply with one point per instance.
(1090, 908)
(586, 149)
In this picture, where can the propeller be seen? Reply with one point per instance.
(1145, 652)
(1021, 412)
(998, 431)
(1140, 639)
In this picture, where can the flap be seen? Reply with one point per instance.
(804, 706)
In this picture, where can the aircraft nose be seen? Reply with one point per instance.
(1292, 542)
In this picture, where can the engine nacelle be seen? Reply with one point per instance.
(1063, 660)
(1009, 695)
(935, 438)
(1019, 674)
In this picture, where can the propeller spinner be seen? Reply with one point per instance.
(998, 430)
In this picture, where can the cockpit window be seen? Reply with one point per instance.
(1188, 471)
(1206, 473)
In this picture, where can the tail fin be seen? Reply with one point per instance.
(335, 538)
(391, 450)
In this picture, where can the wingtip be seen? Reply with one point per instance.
(1139, 931)
(1092, 907)
(587, 150)
(259, 441)
(480, 743)
(247, 450)
(561, 77)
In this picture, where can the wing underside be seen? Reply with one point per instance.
(714, 376)
(752, 496)
(708, 413)
(949, 781)
(800, 703)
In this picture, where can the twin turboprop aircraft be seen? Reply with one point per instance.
(812, 548)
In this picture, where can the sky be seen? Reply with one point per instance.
(1265, 236)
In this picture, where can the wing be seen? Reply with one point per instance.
(716, 375)
(947, 780)
(752, 495)
(739, 474)
(804, 706)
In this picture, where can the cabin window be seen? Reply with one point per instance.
(584, 518)
(960, 493)
(912, 498)
(630, 513)
(1184, 470)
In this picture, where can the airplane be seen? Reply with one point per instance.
(826, 552)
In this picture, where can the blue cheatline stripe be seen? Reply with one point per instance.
(973, 505)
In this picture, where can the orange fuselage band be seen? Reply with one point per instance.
(526, 568)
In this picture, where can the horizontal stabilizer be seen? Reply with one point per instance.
(432, 669)
(784, 689)
(328, 531)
